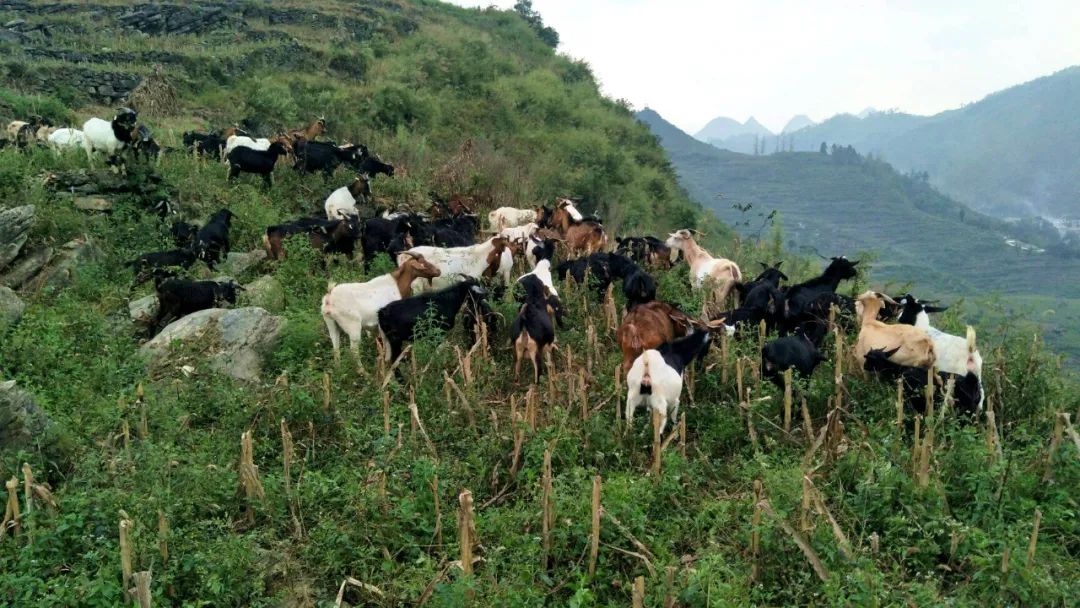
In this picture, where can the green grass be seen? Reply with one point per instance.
(360, 502)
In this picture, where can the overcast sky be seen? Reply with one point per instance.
(693, 60)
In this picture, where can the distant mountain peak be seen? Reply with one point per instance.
(799, 121)
(723, 127)
(867, 111)
(753, 127)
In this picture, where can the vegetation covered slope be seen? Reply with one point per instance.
(376, 498)
(842, 199)
(1011, 153)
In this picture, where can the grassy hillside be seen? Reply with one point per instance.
(1011, 153)
(920, 236)
(372, 495)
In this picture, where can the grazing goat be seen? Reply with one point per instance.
(519, 234)
(327, 236)
(647, 250)
(704, 268)
(353, 307)
(967, 388)
(342, 202)
(799, 298)
(648, 326)
(310, 132)
(259, 162)
(312, 156)
(599, 269)
(511, 217)
(109, 137)
(142, 141)
(639, 288)
(533, 332)
(67, 139)
(797, 352)
(457, 205)
(372, 165)
(438, 309)
(212, 240)
(205, 144)
(954, 354)
(913, 346)
(656, 375)
(182, 258)
(580, 235)
(537, 249)
(180, 297)
(391, 236)
(263, 144)
(473, 261)
(183, 233)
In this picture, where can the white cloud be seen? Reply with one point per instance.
(692, 60)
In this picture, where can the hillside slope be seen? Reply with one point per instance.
(920, 235)
(1012, 153)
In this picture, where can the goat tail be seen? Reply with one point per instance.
(646, 378)
(266, 244)
(971, 340)
(632, 336)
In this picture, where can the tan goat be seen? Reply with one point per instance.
(704, 268)
(915, 348)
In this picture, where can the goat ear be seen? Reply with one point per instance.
(930, 309)
(765, 266)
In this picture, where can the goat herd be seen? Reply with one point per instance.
(442, 271)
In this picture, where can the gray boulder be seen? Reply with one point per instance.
(26, 267)
(23, 424)
(11, 308)
(72, 255)
(144, 309)
(265, 292)
(231, 341)
(237, 263)
(15, 224)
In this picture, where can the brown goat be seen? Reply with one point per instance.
(913, 345)
(586, 236)
(648, 326)
(309, 132)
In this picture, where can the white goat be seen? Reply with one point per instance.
(542, 271)
(519, 234)
(100, 136)
(350, 307)
(474, 261)
(510, 217)
(954, 354)
(656, 376)
(342, 202)
(64, 139)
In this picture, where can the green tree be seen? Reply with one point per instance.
(824, 149)
(547, 34)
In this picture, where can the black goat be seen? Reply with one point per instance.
(639, 288)
(398, 320)
(967, 389)
(180, 297)
(204, 144)
(146, 262)
(312, 156)
(212, 240)
(183, 233)
(798, 297)
(602, 268)
(781, 354)
(532, 332)
(371, 165)
(385, 236)
(260, 162)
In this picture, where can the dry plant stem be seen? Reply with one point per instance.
(638, 594)
(163, 536)
(1033, 543)
(548, 509)
(359, 585)
(669, 594)
(787, 400)
(142, 588)
(800, 541)
(755, 535)
(594, 536)
(125, 551)
(466, 531)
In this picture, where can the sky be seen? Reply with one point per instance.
(693, 60)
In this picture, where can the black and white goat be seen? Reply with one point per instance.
(657, 375)
(953, 354)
